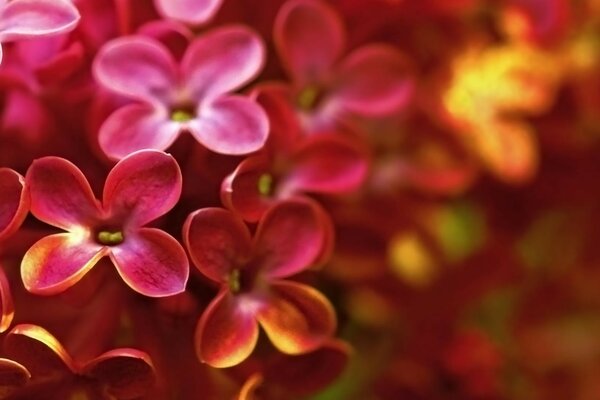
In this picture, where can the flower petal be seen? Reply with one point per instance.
(217, 241)
(136, 127)
(226, 333)
(152, 263)
(192, 12)
(328, 164)
(14, 201)
(290, 237)
(373, 81)
(222, 60)
(128, 373)
(60, 194)
(12, 376)
(309, 38)
(6, 303)
(297, 318)
(232, 125)
(137, 67)
(42, 353)
(57, 262)
(143, 186)
(27, 18)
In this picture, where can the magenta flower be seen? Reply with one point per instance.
(191, 12)
(290, 238)
(373, 80)
(192, 97)
(14, 201)
(139, 189)
(21, 19)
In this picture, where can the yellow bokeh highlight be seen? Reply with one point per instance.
(410, 260)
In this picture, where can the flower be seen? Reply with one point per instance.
(190, 97)
(192, 12)
(290, 238)
(139, 189)
(14, 201)
(21, 19)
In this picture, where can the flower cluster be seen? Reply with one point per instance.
(400, 194)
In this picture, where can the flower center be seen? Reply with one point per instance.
(110, 238)
(234, 281)
(181, 115)
(265, 184)
(309, 97)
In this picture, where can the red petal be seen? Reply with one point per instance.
(6, 303)
(14, 201)
(12, 376)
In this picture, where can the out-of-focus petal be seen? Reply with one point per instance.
(6, 303)
(297, 318)
(192, 12)
(27, 18)
(57, 262)
(151, 262)
(309, 37)
(290, 237)
(248, 390)
(374, 80)
(136, 67)
(12, 376)
(221, 61)
(136, 127)
(328, 164)
(127, 373)
(233, 125)
(144, 186)
(42, 353)
(217, 240)
(60, 194)
(14, 201)
(226, 333)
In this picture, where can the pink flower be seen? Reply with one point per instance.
(290, 238)
(192, 12)
(372, 80)
(14, 201)
(139, 189)
(190, 97)
(21, 19)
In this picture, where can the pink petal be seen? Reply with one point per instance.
(128, 373)
(297, 318)
(12, 376)
(192, 12)
(6, 303)
(57, 262)
(136, 127)
(60, 194)
(222, 60)
(226, 333)
(290, 237)
(217, 241)
(27, 18)
(309, 37)
(143, 186)
(328, 164)
(240, 191)
(151, 262)
(136, 67)
(374, 80)
(14, 201)
(231, 125)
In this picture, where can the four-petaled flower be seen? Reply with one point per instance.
(251, 273)
(192, 96)
(139, 189)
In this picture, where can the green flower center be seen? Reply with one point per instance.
(265, 184)
(234, 281)
(181, 116)
(109, 238)
(309, 97)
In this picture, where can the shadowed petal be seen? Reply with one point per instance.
(192, 12)
(251, 385)
(60, 194)
(290, 237)
(152, 263)
(297, 318)
(136, 127)
(42, 353)
(226, 333)
(373, 81)
(57, 262)
(128, 373)
(217, 241)
(6, 305)
(12, 376)
(14, 201)
(136, 67)
(309, 37)
(221, 61)
(233, 125)
(143, 186)
(27, 18)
